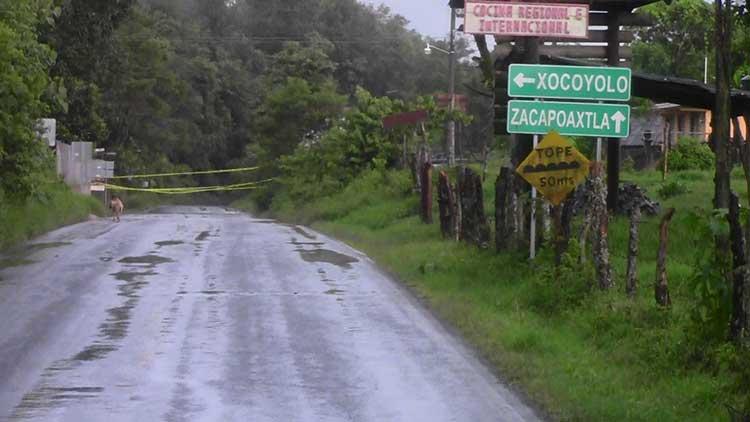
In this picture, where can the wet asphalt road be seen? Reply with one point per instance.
(204, 314)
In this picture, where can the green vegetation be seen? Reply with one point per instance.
(52, 206)
(691, 154)
(580, 353)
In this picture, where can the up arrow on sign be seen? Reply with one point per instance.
(569, 82)
(618, 118)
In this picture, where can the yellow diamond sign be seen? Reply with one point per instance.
(554, 168)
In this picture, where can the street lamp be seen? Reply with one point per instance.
(430, 47)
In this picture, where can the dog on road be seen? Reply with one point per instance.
(117, 208)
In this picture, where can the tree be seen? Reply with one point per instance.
(721, 112)
(679, 41)
(24, 80)
(82, 37)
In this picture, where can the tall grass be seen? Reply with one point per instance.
(53, 206)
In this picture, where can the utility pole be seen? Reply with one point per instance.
(452, 91)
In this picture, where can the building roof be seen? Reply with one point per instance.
(686, 92)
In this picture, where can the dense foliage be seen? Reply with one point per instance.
(24, 81)
(210, 84)
(683, 37)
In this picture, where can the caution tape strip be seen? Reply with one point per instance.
(191, 190)
(186, 173)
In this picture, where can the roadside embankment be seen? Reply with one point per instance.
(53, 206)
(579, 353)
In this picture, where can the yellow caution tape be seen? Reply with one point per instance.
(192, 189)
(143, 176)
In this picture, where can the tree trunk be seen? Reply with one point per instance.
(583, 232)
(474, 228)
(446, 201)
(600, 224)
(422, 157)
(740, 323)
(631, 278)
(721, 113)
(426, 193)
(661, 287)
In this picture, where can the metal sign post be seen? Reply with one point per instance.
(532, 229)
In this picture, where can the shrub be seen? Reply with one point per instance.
(563, 287)
(671, 189)
(628, 164)
(691, 154)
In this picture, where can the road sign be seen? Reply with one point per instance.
(555, 167)
(527, 19)
(577, 119)
(569, 82)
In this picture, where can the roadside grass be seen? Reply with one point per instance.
(54, 206)
(578, 353)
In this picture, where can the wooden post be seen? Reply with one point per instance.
(661, 287)
(503, 211)
(613, 144)
(583, 232)
(631, 278)
(426, 192)
(665, 150)
(562, 228)
(600, 224)
(740, 323)
(456, 212)
(559, 233)
(446, 205)
(405, 153)
(474, 228)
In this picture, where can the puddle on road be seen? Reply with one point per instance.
(295, 242)
(40, 246)
(37, 402)
(151, 260)
(14, 262)
(169, 243)
(93, 352)
(203, 236)
(302, 232)
(81, 390)
(327, 256)
(333, 292)
(129, 276)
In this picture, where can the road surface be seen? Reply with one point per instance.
(206, 314)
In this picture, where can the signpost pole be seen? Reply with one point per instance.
(599, 147)
(452, 92)
(532, 229)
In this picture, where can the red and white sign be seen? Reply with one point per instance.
(547, 20)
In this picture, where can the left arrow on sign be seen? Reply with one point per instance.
(521, 79)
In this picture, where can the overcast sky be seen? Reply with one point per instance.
(429, 17)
